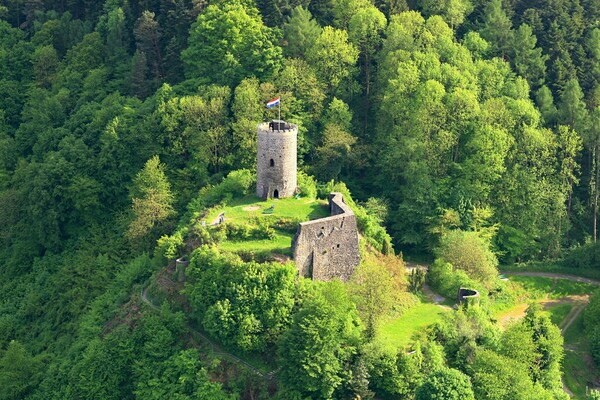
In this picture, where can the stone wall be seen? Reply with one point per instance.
(327, 248)
(276, 162)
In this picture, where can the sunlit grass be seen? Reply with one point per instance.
(552, 288)
(397, 333)
(249, 207)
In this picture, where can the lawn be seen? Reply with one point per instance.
(249, 207)
(281, 244)
(398, 332)
(552, 288)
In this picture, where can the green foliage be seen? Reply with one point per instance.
(246, 305)
(183, 377)
(416, 280)
(228, 43)
(446, 384)
(300, 31)
(307, 185)
(323, 336)
(333, 57)
(446, 279)
(152, 199)
(19, 372)
(469, 252)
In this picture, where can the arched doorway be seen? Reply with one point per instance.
(276, 194)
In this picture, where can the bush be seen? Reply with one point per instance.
(446, 384)
(446, 280)
(586, 256)
(169, 247)
(237, 184)
(307, 186)
(470, 253)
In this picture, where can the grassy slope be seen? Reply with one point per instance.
(398, 332)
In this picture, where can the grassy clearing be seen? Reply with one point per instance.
(281, 244)
(249, 207)
(245, 211)
(398, 332)
(552, 288)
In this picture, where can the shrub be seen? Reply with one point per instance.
(470, 253)
(446, 384)
(169, 247)
(586, 256)
(307, 186)
(236, 184)
(446, 280)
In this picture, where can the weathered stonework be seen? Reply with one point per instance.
(327, 248)
(276, 162)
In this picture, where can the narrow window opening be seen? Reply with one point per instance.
(272, 163)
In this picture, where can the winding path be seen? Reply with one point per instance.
(214, 347)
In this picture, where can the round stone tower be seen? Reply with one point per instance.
(276, 160)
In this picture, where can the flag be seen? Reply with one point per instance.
(274, 102)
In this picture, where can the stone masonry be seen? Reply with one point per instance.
(276, 162)
(327, 248)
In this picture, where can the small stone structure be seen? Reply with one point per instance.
(468, 296)
(181, 265)
(276, 161)
(327, 248)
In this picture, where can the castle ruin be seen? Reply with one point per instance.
(325, 248)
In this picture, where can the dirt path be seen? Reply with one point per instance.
(577, 309)
(573, 278)
(431, 295)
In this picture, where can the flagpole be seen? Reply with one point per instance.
(279, 108)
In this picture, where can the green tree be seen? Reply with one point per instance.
(373, 292)
(152, 199)
(333, 57)
(19, 372)
(572, 109)
(497, 28)
(528, 60)
(228, 43)
(323, 335)
(467, 251)
(446, 384)
(182, 377)
(454, 12)
(300, 31)
(148, 38)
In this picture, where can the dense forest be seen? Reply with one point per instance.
(468, 129)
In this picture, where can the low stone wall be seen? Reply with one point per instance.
(327, 248)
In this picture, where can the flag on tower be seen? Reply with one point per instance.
(274, 102)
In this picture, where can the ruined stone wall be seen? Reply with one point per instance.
(276, 162)
(327, 248)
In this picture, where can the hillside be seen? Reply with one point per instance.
(464, 134)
